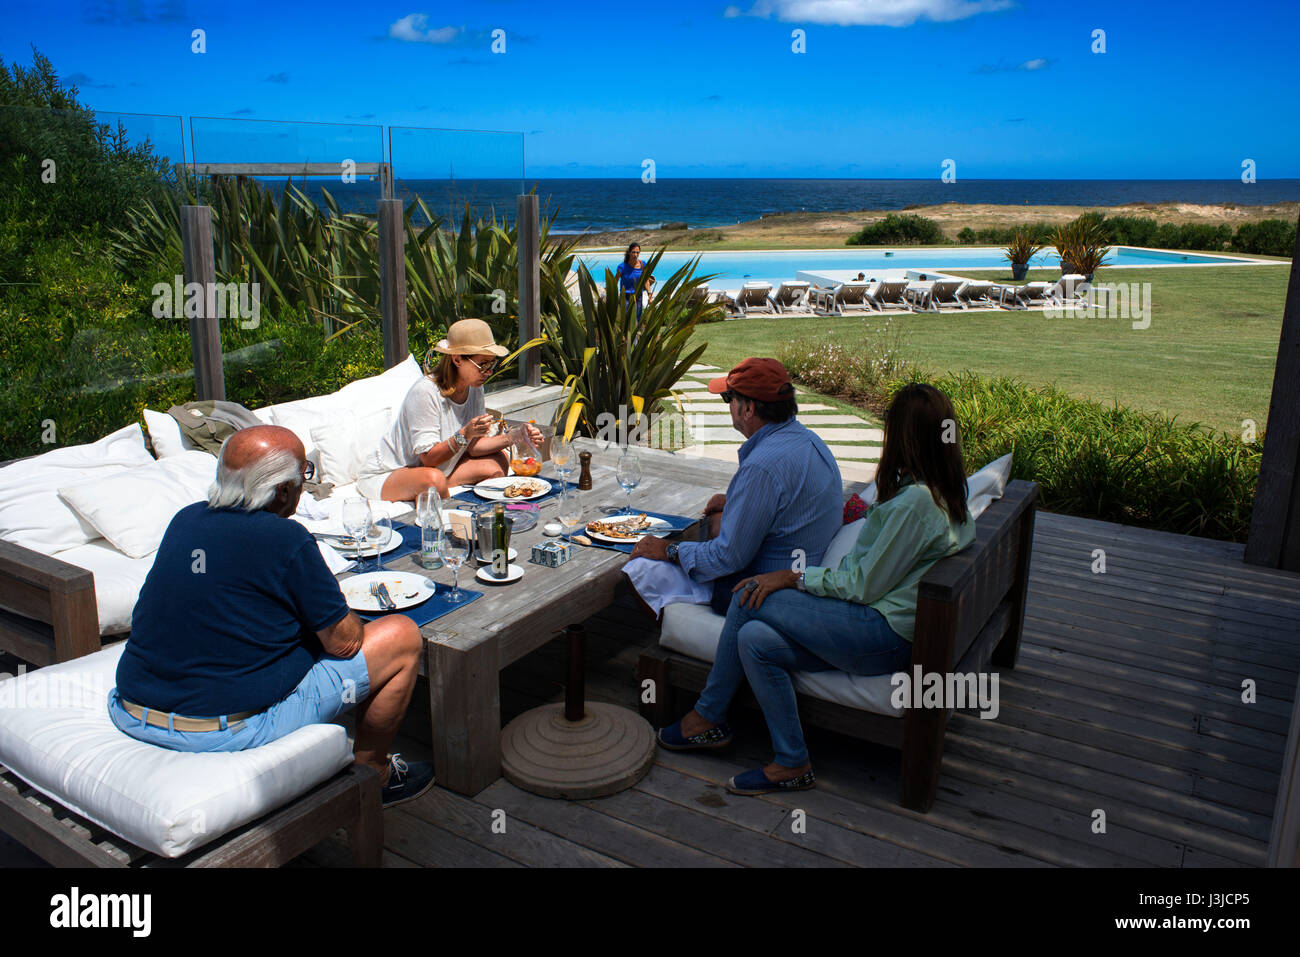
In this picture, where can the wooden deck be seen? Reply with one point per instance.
(1127, 700)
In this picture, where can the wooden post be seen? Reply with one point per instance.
(205, 331)
(528, 231)
(392, 281)
(1284, 843)
(386, 179)
(1274, 538)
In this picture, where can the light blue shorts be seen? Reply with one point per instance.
(332, 686)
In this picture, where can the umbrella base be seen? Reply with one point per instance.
(608, 750)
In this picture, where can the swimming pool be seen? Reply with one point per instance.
(734, 268)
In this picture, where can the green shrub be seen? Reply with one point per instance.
(1192, 236)
(900, 229)
(1131, 230)
(1268, 237)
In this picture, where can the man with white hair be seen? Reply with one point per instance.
(241, 635)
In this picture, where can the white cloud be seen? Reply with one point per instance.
(414, 28)
(862, 13)
(733, 11)
(1037, 64)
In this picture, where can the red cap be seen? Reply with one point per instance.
(763, 379)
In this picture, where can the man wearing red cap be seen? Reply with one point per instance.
(784, 503)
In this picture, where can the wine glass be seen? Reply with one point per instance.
(628, 474)
(357, 520)
(562, 457)
(379, 534)
(457, 545)
(570, 513)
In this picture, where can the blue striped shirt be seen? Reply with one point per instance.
(786, 495)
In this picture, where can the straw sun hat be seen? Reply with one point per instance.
(469, 337)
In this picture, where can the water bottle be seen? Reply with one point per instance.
(429, 509)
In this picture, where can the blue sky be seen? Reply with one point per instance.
(886, 88)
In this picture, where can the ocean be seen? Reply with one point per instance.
(584, 205)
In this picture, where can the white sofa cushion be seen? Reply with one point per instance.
(132, 509)
(384, 391)
(694, 630)
(31, 512)
(345, 440)
(56, 735)
(118, 581)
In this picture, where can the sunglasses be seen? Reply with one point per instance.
(485, 369)
(308, 472)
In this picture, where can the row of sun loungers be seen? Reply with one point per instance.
(904, 295)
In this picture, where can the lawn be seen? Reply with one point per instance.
(1208, 355)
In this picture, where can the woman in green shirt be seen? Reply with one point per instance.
(857, 617)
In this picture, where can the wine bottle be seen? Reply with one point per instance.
(500, 542)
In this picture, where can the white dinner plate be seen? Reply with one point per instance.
(494, 489)
(657, 526)
(487, 559)
(485, 575)
(405, 588)
(367, 551)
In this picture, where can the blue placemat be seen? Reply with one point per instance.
(431, 609)
(679, 523)
(556, 488)
(410, 543)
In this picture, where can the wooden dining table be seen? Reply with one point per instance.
(466, 649)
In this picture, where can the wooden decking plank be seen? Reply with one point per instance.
(908, 829)
(1086, 529)
(1156, 836)
(585, 825)
(822, 847)
(521, 842)
(1063, 774)
(1194, 857)
(429, 846)
(1264, 741)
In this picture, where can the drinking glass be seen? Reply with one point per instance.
(356, 521)
(571, 512)
(628, 474)
(457, 546)
(562, 457)
(379, 534)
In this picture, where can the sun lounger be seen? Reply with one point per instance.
(888, 294)
(846, 297)
(930, 296)
(976, 292)
(755, 297)
(1022, 297)
(792, 297)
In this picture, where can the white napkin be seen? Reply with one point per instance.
(335, 562)
(311, 509)
(663, 583)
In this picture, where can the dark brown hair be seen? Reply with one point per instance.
(915, 427)
(781, 410)
(627, 256)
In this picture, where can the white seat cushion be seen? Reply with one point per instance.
(118, 580)
(694, 630)
(56, 735)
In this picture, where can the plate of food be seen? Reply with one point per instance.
(626, 529)
(404, 588)
(348, 547)
(512, 488)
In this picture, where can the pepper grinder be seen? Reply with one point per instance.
(584, 480)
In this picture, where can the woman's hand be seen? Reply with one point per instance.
(535, 435)
(756, 589)
(477, 427)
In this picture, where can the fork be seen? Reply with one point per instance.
(390, 605)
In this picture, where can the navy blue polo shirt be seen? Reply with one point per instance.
(228, 615)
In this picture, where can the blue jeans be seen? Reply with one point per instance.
(795, 631)
(332, 686)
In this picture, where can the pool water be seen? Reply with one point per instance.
(734, 268)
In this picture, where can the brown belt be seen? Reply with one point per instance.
(160, 719)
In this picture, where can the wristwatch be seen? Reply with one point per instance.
(798, 583)
(672, 552)
(457, 442)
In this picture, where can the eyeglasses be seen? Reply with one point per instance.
(483, 369)
(308, 472)
(728, 396)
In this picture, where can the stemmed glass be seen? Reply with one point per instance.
(379, 534)
(562, 457)
(570, 513)
(357, 521)
(457, 544)
(628, 474)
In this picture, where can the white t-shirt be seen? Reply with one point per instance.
(427, 418)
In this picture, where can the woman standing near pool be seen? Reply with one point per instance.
(440, 438)
(859, 616)
(629, 272)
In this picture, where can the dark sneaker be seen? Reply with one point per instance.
(756, 782)
(671, 737)
(406, 782)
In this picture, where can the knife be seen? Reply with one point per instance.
(343, 541)
(385, 599)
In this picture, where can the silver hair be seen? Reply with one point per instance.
(252, 487)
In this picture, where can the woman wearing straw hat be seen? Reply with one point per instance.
(440, 437)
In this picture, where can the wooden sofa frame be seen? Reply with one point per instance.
(969, 613)
(350, 799)
(48, 612)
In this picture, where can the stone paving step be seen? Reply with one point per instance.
(715, 405)
(710, 418)
(827, 434)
